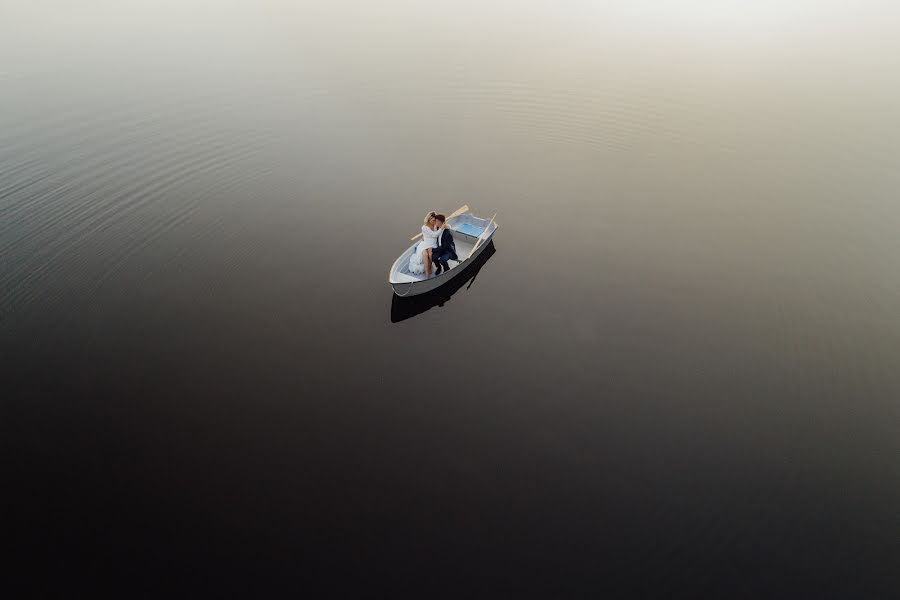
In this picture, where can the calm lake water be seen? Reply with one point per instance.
(676, 374)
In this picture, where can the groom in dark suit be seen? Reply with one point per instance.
(446, 249)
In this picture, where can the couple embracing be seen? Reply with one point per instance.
(437, 246)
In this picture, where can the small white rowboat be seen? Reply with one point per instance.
(471, 235)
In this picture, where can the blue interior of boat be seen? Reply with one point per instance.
(469, 229)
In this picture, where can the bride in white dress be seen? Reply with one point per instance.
(420, 261)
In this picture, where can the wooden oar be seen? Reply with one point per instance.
(481, 237)
(462, 209)
(456, 213)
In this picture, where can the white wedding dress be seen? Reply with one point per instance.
(429, 240)
(416, 266)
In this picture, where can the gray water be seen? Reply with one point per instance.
(676, 374)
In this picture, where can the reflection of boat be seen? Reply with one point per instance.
(405, 308)
(471, 235)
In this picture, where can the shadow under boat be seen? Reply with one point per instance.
(406, 308)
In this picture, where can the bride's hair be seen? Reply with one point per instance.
(429, 217)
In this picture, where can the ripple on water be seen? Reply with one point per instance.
(81, 198)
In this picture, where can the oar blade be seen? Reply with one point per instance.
(462, 209)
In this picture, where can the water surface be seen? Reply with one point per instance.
(677, 372)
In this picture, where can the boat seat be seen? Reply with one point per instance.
(469, 229)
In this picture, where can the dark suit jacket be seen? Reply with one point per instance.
(447, 247)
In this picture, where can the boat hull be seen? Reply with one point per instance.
(407, 308)
(415, 288)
